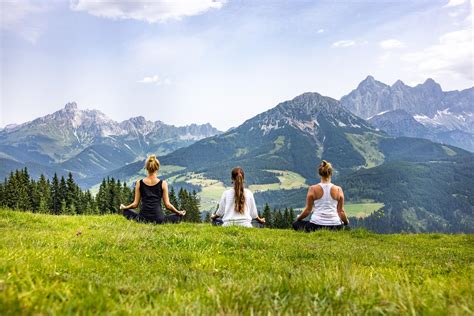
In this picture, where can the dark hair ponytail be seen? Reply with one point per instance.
(239, 197)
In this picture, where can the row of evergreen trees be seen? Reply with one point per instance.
(58, 196)
(62, 196)
(278, 218)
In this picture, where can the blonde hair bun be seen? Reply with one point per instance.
(152, 164)
(325, 169)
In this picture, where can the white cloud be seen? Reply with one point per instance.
(15, 17)
(320, 31)
(155, 79)
(146, 10)
(344, 43)
(454, 3)
(391, 44)
(453, 55)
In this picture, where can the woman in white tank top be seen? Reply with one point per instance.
(325, 203)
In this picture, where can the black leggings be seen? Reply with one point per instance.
(132, 215)
(311, 227)
(219, 222)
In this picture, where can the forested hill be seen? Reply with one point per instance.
(418, 197)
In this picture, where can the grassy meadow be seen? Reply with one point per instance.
(361, 209)
(108, 265)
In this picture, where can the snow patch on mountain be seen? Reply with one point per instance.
(268, 127)
(445, 118)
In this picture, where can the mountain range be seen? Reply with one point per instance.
(87, 142)
(381, 139)
(424, 111)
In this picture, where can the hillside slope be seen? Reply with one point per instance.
(96, 265)
(432, 196)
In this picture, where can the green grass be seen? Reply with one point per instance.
(107, 265)
(167, 169)
(367, 146)
(449, 151)
(211, 189)
(287, 180)
(279, 143)
(361, 209)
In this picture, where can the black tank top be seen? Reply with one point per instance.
(151, 196)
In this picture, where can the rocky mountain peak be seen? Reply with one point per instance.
(398, 84)
(138, 120)
(305, 112)
(431, 85)
(71, 106)
(370, 82)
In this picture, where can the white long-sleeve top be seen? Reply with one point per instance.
(230, 216)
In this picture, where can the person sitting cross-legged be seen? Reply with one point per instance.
(325, 203)
(237, 205)
(150, 191)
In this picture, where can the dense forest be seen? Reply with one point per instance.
(419, 197)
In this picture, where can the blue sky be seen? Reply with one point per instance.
(198, 61)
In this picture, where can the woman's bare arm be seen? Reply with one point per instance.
(136, 201)
(166, 201)
(309, 205)
(340, 207)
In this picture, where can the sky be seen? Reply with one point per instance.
(220, 61)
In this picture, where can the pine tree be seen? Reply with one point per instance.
(55, 195)
(72, 194)
(279, 221)
(2, 193)
(10, 198)
(174, 199)
(267, 214)
(44, 193)
(184, 202)
(63, 196)
(292, 217)
(87, 203)
(23, 188)
(64, 209)
(102, 198)
(286, 218)
(193, 214)
(112, 195)
(34, 196)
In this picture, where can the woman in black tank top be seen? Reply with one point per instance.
(150, 191)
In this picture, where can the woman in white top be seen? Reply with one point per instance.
(325, 203)
(237, 205)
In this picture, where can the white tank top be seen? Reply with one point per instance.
(325, 209)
